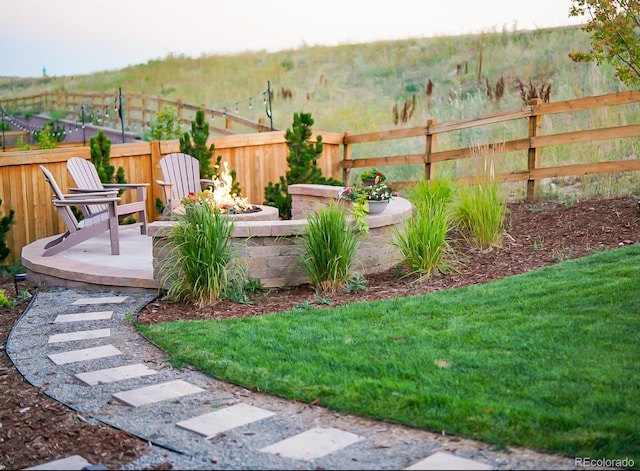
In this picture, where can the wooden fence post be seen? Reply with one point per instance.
(429, 148)
(346, 158)
(534, 155)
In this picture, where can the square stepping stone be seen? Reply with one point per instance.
(102, 300)
(80, 335)
(314, 443)
(84, 316)
(224, 419)
(157, 392)
(111, 375)
(440, 460)
(68, 463)
(84, 354)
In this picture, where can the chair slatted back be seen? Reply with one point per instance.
(69, 218)
(86, 177)
(183, 172)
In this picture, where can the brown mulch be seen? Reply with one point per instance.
(35, 429)
(537, 234)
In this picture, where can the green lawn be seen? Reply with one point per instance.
(546, 360)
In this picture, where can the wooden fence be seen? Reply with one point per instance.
(260, 158)
(533, 143)
(138, 110)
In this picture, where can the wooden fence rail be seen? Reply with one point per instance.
(139, 110)
(260, 158)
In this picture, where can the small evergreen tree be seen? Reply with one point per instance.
(101, 159)
(195, 144)
(5, 224)
(303, 165)
(198, 149)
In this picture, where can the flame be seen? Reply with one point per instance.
(220, 195)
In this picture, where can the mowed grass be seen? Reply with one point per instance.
(546, 360)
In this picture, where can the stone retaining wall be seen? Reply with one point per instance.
(271, 249)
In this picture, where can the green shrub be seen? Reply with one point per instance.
(479, 211)
(329, 248)
(4, 301)
(166, 126)
(5, 224)
(203, 265)
(422, 238)
(45, 138)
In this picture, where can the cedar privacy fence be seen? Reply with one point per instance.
(260, 158)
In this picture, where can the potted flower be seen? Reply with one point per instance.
(372, 176)
(372, 198)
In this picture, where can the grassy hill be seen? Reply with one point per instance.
(365, 88)
(355, 87)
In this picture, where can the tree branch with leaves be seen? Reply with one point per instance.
(614, 27)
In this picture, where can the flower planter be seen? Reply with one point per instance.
(376, 207)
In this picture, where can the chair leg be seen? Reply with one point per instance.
(113, 230)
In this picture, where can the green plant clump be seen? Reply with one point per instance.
(422, 239)
(166, 126)
(4, 301)
(479, 211)
(46, 138)
(329, 247)
(203, 266)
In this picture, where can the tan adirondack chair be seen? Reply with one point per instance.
(79, 231)
(86, 178)
(181, 173)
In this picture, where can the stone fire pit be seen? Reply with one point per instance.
(270, 246)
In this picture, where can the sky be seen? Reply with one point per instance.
(74, 37)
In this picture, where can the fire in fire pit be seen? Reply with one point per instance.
(219, 196)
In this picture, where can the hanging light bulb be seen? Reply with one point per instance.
(250, 104)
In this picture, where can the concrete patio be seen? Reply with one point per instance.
(91, 265)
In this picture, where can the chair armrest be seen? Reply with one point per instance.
(96, 195)
(90, 190)
(166, 188)
(72, 202)
(125, 186)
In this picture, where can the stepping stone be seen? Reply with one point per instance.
(111, 375)
(80, 335)
(84, 316)
(440, 460)
(68, 463)
(225, 419)
(84, 354)
(314, 443)
(157, 392)
(103, 300)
